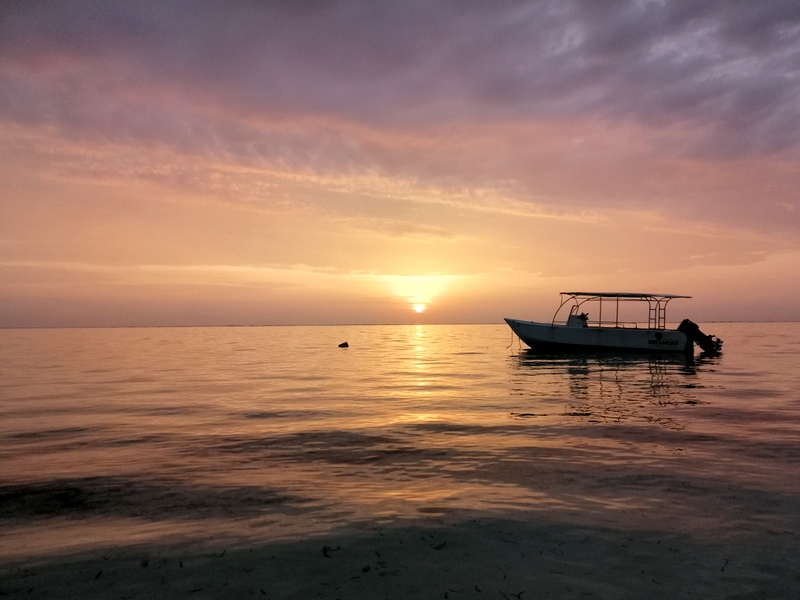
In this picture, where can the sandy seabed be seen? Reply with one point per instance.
(551, 523)
(452, 555)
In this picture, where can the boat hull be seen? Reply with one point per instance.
(564, 338)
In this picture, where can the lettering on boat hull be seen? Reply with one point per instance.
(660, 341)
(663, 342)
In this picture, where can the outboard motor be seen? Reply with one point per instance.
(709, 343)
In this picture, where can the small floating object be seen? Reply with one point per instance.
(344, 345)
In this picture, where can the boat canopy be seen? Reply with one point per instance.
(636, 295)
(656, 314)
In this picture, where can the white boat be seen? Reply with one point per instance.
(610, 331)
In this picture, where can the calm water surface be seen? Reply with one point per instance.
(118, 435)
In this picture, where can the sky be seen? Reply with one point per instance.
(333, 162)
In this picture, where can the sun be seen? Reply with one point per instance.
(418, 291)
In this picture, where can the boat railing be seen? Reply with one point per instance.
(610, 324)
(620, 324)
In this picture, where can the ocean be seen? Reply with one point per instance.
(113, 439)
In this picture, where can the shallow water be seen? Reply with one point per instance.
(119, 436)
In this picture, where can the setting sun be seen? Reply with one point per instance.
(418, 291)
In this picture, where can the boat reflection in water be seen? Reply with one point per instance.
(608, 388)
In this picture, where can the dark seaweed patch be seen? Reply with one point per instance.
(104, 496)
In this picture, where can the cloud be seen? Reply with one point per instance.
(729, 67)
(272, 277)
(418, 122)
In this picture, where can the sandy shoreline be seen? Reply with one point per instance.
(615, 531)
(433, 558)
